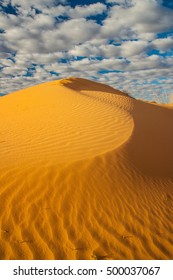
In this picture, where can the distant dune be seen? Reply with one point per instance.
(86, 172)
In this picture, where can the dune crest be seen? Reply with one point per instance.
(79, 84)
(86, 172)
(53, 121)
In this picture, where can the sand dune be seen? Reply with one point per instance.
(86, 172)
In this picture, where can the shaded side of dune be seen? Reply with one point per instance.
(150, 147)
(79, 84)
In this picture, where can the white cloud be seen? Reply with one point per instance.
(125, 3)
(131, 48)
(87, 10)
(25, 4)
(41, 21)
(82, 11)
(69, 33)
(55, 8)
(92, 50)
(40, 41)
(57, 11)
(42, 34)
(163, 44)
(9, 21)
(143, 19)
(143, 62)
(14, 70)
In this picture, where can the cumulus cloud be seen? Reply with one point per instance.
(163, 44)
(46, 38)
(130, 48)
(41, 35)
(144, 19)
(87, 10)
(125, 3)
(92, 50)
(32, 3)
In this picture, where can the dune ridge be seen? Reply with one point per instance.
(86, 172)
(76, 121)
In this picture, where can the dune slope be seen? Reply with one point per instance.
(86, 172)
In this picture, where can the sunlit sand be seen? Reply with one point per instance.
(86, 172)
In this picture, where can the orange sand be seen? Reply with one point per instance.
(86, 172)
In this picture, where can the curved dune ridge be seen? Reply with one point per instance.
(55, 121)
(86, 172)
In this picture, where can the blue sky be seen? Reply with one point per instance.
(127, 44)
